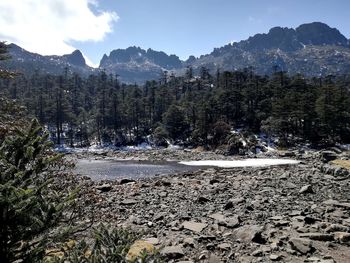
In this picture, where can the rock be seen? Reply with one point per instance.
(152, 240)
(138, 248)
(232, 202)
(306, 189)
(249, 233)
(342, 237)
(214, 259)
(172, 252)
(295, 213)
(163, 194)
(104, 187)
(214, 181)
(313, 259)
(276, 218)
(206, 238)
(344, 205)
(126, 181)
(317, 236)
(257, 253)
(301, 245)
(274, 257)
(331, 202)
(202, 199)
(287, 154)
(327, 156)
(224, 246)
(231, 222)
(337, 228)
(128, 202)
(346, 222)
(210, 246)
(160, 216)
(217, 216)
(166, 183)
(194, 226)
(189, 241)
(309, 220)
(281, 223)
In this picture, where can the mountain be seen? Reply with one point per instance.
(311, 49)
(27, 62)
(137, 65)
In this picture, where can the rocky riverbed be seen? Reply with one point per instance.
(291, 213)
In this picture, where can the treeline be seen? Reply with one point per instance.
(193, 110)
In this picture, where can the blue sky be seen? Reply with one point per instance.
(181, 27)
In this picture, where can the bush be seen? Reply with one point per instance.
(29, 204)
(175, 123)
(159, 137)
(106, 245)
(220, 132)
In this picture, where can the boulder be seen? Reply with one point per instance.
(327, 156)
(301, 245)
(104, 187)
(249, 233)
(306, 189)
(126, 181)
(342, 237)
(318, 236)
(172, 252)
(138, 248)
(194, 226)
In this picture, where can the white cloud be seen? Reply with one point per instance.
(49, 26)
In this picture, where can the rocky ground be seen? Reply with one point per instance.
(295, 213)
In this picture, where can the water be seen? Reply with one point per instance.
(99, 170)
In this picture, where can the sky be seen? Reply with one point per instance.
(181, 27)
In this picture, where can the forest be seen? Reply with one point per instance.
(192, 110)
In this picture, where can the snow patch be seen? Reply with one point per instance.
(241, 163)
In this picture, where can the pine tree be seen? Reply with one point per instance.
(29, 207)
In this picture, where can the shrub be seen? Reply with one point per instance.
(107, 244)
(29, 204)
(159, 137)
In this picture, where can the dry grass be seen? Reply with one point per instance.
(342, 163)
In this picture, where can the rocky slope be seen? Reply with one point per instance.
(313, 49)
(23, 61)
(137, 65)
(296, 213)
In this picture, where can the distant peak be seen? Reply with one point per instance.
(318, 33)
(77, 52)
(76, 58)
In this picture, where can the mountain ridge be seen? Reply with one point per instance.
(27, 62)
(312, 49)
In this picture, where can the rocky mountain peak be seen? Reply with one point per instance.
(318, 33)
(76, 58)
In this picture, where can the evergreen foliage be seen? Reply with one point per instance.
(29, 204)
(78, 111)
(107, 244)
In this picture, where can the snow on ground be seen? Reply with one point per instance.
(241, 163)
(142, 146)
(101, 148)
